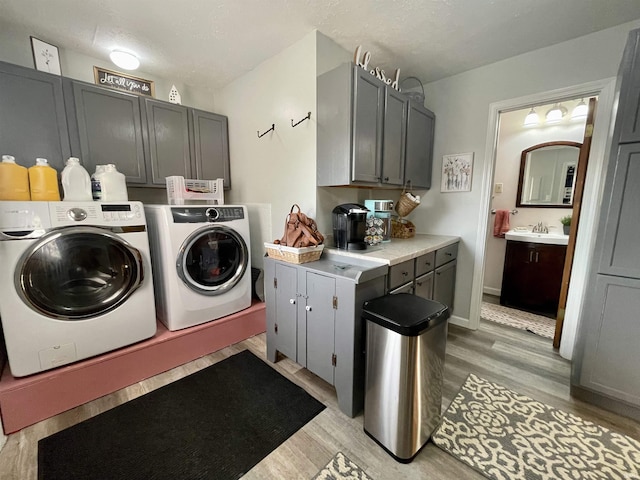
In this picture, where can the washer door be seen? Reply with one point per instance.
(212, 260)
(77, 273)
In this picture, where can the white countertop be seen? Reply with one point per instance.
(397, 250)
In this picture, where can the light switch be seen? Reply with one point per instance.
(498, 188)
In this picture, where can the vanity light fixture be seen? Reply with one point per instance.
(125, 60)
(532, 119)
(556, 113)
(580, 111)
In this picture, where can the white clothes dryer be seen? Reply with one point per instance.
(76, 281)
(201, 261)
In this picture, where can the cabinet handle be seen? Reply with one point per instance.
(404, 274)
(386, 179)
(308, 308)
(292, 301)
(537, 256)
(530, 256)
(428, 264)
(448, 254)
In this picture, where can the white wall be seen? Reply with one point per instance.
(512, 139)
(461, 104)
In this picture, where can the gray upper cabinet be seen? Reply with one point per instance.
(167, 140)
(363, 135)
(629, 101)
(419, 156)
(210, 140)
(106, 127)
(33, 122)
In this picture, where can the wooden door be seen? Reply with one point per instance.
(286, 310)
(393, 144)
(320, 322)
(368, 105)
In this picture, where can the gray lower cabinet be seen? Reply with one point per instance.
(314, 317)
(167, 140)
(106, 127)
(364, 137)
(33, 122)
(431, 276)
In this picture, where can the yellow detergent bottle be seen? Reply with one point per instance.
(43, 181)
(14, 180)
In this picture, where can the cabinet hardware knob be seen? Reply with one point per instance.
(405, 274)
(386, 179)
(292, 301)
(308, 308)
(448, 254)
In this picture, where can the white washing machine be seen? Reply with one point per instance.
(75, 281)
(201, 262)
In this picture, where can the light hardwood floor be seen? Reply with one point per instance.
(516, 359)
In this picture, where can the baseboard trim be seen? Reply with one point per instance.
(492, 291)
(461, 322)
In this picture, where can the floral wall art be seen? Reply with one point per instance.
(45, 56)
(457, 170)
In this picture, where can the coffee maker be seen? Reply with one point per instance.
(381, 209)
(349, 226)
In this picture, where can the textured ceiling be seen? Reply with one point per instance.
(209, 43)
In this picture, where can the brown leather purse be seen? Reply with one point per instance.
(300, 231)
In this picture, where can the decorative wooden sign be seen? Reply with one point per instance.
(122, 81)
(377, 72)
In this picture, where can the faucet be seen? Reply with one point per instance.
(540, 228)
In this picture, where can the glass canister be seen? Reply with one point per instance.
(381, 209)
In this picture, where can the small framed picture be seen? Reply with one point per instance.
(45, 56)
(457, 170)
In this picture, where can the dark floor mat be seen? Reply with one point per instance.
(216, 423)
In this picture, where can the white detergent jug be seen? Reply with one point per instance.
(76, 182)
(113, 185)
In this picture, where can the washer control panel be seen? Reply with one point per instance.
(96, 213)
(194, 214)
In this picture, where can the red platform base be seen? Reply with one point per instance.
(28, 400)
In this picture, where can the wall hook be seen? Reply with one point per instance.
(273, 127)
(300, 121)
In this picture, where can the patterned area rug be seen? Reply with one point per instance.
(508, 436)
(543, 326)
(341, 468)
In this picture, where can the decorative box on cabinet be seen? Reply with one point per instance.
(106, 127)
(33, 122)
(314, 318)
(363, 134)
(532, 276)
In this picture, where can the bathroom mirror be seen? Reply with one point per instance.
(548, 175)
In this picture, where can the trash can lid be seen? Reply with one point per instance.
(404, 313)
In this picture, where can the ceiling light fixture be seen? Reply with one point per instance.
(532, 119)
(580, 111)
(556, 113)
(125, 60)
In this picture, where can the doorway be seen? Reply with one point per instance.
(604, 90)
(545, 200)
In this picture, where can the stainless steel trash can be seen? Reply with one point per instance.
(405, 348)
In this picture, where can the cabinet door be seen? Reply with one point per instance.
(419, 154)
(286, 310)
(109, 130)
(629, 104)
(444, 284)
(394, 136)
(620, 253)
(368, 105)
(401, 273)
(33, 122)
(167, 140)
(210, 146)
(424, 286)
(611, 331)
(320, 320)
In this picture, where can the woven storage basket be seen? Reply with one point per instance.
(292, 254)
(405, 205)
(402, 228)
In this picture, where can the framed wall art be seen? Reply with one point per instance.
(457, 170)
(45, 56)
(123, 81)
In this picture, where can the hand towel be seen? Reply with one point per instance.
(501, 223)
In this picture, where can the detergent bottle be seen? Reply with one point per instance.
(76, 182)
(43, 182)
(113, 185)
(14, 180)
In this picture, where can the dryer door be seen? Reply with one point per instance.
(212, 260)
(77, 273)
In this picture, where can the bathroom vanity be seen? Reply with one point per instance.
(532, 275)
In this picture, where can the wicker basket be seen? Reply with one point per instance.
(401, 228)
(292, 254)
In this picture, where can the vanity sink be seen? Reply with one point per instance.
(537, 237)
